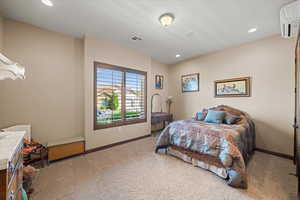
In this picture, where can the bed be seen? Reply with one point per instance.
(220, 148)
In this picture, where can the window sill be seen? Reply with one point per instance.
(118, 124)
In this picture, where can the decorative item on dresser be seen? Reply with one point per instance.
(169, 103)
(11, 165)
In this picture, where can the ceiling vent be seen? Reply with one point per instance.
(136, 38)
(290, 19)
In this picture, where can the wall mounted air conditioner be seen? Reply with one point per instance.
(290, 19)
(10, 69)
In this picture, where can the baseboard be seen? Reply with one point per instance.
(282, 155)
(65, 158)
(115, 144)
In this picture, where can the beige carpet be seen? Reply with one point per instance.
(134, 172)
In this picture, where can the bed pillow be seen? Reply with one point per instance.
(214, 116)
(204, 113)
(231, 119)
(199, 116)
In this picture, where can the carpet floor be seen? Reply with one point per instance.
(133, 171)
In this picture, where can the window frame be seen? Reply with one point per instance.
(124, 122)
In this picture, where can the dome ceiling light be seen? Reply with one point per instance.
(252, 30)
(166, 19)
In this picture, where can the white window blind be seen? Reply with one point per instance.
(135, 96)
(109, 95)
(120, 96)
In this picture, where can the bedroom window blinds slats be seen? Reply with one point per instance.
(109, 102)
(134, 103)
(120, 96)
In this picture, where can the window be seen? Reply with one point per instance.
(120, 96)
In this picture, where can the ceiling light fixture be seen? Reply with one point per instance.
(252, 30)
(47, 2)
(177, 55)
(166, 19)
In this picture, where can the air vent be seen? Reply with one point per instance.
(135, 38)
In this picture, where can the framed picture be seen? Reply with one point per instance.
(236, 87)
(190, 82)
(159, 81)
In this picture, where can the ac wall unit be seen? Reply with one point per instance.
(290, 19)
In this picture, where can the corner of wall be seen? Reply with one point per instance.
(160, 69)
(1, 33)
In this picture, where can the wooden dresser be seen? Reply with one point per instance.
(11, 163)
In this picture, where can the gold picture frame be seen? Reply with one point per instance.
(235, 87)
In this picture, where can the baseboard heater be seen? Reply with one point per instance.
(65, 148)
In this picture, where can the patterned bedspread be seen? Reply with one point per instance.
(232, 145)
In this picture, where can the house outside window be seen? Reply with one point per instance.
(120, 96)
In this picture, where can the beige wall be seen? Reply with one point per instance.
(159, 102)
(51, 96)
(159, 69)
(1, 34)
(110, 53)
(270, 64)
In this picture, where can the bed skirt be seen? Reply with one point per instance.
(207, 162)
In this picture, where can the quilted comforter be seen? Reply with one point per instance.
(232, 145)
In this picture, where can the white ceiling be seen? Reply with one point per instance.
(201, 26)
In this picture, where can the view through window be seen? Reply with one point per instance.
(120, 96)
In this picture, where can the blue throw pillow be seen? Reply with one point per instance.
(199, 116)
(214, 116)
(231, 119)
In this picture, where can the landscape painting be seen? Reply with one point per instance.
(236, 87)
(190, 82)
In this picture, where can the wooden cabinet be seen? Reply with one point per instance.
(11, 179)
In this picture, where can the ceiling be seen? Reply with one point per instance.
(200, 26)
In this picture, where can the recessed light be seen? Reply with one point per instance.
(252, 30)
(177, 55)
(166, 19)
(47, 2)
